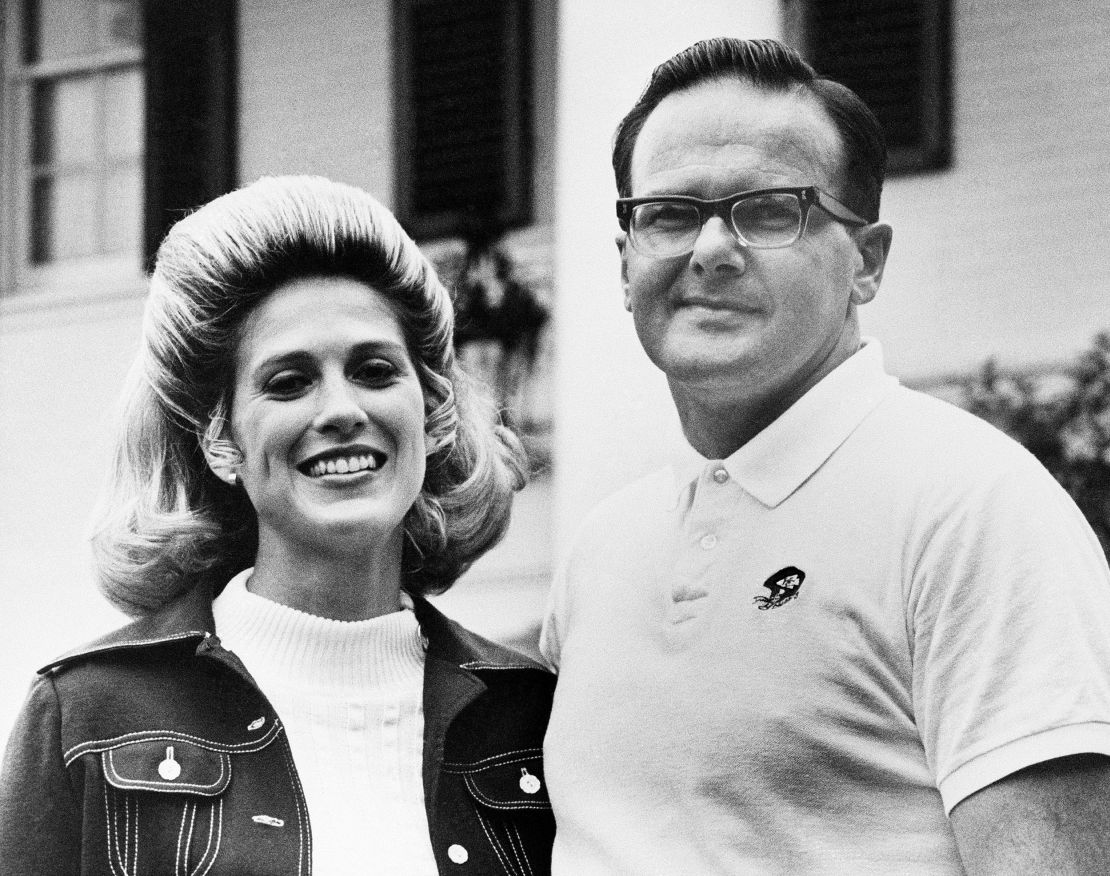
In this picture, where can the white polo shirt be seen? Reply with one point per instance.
(798, 659)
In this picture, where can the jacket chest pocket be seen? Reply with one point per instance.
(509, 795)
(164, 806)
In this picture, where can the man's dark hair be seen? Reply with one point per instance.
(770, 65)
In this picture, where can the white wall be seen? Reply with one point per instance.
(613, 414)
(1006, 253)
(60, 369)
(315, 91)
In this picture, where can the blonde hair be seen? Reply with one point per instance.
(166, 522)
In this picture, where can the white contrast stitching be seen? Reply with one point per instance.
(108, 825)
(504, 759)
(513, 849)
(180, 836)
(96, 746)
(478, 664)
(207, 842)
(497, 850)
(135, 856)
(297, 805)
(219, 836)
(497, 804)
(189, 837)
(171, 787)
(115, 646)
(526, 864)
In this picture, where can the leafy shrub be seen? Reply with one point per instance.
(1062, 418)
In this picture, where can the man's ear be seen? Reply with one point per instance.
(622, 248)
(873, 245)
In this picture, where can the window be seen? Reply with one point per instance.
(895, 55)
(82, 75)
(463, 115)
(117, 117)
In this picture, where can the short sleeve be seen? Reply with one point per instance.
(1010, 629)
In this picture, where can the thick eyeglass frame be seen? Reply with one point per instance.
(808, 197)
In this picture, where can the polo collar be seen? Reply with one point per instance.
(778, 460)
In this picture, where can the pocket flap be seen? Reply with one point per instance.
(167, 765)
(510, 781)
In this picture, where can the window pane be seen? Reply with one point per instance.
(72, 216)
(65, 28)
(73, 121)
(123, 210)
(123, 108)
(119, 24)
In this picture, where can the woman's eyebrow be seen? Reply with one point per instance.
(282, 360)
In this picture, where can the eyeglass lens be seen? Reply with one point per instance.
(770, 220)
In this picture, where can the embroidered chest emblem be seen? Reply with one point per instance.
(783, 586)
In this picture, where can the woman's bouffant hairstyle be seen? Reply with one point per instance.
(774, 66)
(166, 522)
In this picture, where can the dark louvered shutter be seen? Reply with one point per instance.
(893, 54)
(463, 115)
(191, 113)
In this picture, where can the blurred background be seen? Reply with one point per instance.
(486, 125)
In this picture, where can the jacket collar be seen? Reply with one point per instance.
(185, 617)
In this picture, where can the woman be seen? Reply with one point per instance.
(299, 464)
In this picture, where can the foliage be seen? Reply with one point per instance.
(1063, 419)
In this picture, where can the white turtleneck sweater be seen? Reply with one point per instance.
(350, 696)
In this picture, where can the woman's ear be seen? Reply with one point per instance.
(221, 453)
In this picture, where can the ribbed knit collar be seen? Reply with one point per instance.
(305, 650)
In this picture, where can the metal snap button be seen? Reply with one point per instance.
(720, 475)
(458, 854)
(169, 769)
(529, 784)
(708, 542)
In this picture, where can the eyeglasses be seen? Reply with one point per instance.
(667, 226)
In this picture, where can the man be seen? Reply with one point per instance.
(860, 631)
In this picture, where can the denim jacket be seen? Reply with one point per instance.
(153, 751)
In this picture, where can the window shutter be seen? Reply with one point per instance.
(191, 113)
(463, 115)
(894, 55)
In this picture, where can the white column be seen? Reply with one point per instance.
(613, 414)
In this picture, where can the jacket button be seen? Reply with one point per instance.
(458, 854)
(169, 769)
(529, 784)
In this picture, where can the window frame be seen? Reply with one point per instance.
(23, 284)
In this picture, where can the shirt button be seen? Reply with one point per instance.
(458, 854)
(708, 542)
(720, 475)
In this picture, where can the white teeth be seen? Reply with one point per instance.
(343, 465)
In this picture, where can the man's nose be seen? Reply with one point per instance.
(717, 249)
(339, 408)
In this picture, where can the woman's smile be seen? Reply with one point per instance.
(349, 461)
